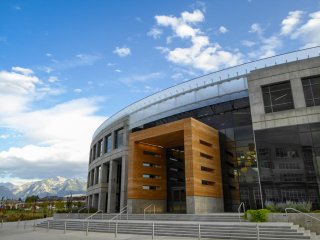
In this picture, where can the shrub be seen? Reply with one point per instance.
(257, 215)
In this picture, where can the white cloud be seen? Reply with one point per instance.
(59, 137)
(202, 54)
(155, 33)
(142, 77)
(248, 43)
(122, 52)
(309, 31)
(289, 24)
(177, 76)
(77, 90)
(256, 28)
(111, 64)
(53, 79)
(24, 71)
(118, 70)
(4, 136)
(48, 54)
(223, 29)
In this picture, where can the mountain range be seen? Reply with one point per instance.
(57, 186)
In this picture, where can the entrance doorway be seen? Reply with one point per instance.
(176, 186)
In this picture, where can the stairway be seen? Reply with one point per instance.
(178, 228)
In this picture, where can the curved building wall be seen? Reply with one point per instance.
(108, 164)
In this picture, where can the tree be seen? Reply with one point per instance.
(31, 199)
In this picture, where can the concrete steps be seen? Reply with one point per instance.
(212, 230)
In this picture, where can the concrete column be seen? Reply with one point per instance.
(297, 93)
(124, 182)
(102, 201)
(112, 187)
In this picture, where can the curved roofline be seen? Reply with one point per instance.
(310, 51)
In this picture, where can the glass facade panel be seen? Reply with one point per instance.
(311, 89)
(118, 141)
(277, 97)
(107, 143)
(288, 164)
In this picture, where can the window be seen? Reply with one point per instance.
(153, 154)
(107, 143)
(206, 169)
(206, 156)
(151, 176)
(277, 97)
(100, 148)
(94, 152)
(147, 164)
(205, 143)
(144, 187)
(311, 89)
(118, 141)
(205, 182)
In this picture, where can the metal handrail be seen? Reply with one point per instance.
(91, 216)
(239, 210)
(122, 210)
(145, 209)
(306, 214)
(82, 208)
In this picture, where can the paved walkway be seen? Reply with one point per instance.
(10, 231)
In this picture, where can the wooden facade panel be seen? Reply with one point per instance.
(187, 132)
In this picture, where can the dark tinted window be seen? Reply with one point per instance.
(311, 89)
(277, 97)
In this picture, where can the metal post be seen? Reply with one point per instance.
(34, 226)
(25, 225)
(127, 214)
(87, 230)
(48, 226)
(199, 232)
(258, 234)
(65, 227)
(154, 209)
(152, 230)
(116, 232)
(18, 224)
(2, 223)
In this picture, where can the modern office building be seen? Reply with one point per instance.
(250, 133)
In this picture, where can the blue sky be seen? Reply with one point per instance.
(65, 66)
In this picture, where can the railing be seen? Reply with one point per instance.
(305, 214)
(81, 210)
(91, 216)
(122, 210)
(146, 208)
(241, 206)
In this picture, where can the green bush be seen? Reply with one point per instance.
(257, 215)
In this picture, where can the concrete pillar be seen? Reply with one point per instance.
(297, 93)
(102, 201)
(124, 182)
(112, 187)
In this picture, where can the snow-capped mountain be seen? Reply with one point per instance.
(57, 186)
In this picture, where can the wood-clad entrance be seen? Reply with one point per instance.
(187, 147)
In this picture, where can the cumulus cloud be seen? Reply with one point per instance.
(155, 33)
(256, 28)
(223, 29)
(202, 54)
(308, 32)
(53, 79)
(289, 24)
(77, 90)
(122, 52)
(59, 136)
